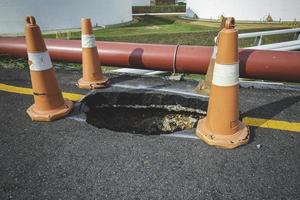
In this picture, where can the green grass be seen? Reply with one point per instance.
(174, 30)
(12, 63)
(159, 9)
(149, 29)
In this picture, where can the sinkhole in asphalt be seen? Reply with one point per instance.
(145, 113)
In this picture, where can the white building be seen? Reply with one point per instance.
(250, 10)
(141, 2)
(62, 14)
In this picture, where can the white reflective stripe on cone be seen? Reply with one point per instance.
(39, 61)
(214, 54)
(226, 75)
(88, 41)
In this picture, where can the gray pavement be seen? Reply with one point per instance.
(68, 159)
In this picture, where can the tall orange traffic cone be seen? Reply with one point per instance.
(222, 127)
(91, 66)
(48, 101)
(204, 85)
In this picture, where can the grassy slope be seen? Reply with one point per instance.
(173, 30)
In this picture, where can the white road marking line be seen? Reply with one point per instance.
(77, 118)
(144, 87)
(181, 135)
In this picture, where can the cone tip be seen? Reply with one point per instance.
(84, 19)
(30, 20)
(230, 23)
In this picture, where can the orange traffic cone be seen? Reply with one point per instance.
(222, 127)
(91, 66)
(48, 101)
(205, 85)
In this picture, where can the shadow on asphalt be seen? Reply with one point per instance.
(268, 111)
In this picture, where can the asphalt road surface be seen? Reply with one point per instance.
(70, 159)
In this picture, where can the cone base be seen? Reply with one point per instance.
(203, 88)
(91, 85)
(223, 141)
(46, 116)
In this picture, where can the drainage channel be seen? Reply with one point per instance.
(143, 112)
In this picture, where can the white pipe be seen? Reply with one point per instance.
(291, 48)
(156, 72)
(264, 33)
(293, 45)
(132, 71)
(139, 71)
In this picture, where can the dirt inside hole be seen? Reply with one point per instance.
(147, 121)
(143, 112)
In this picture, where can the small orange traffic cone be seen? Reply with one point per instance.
(205, 85)
(48, 100)
(221, 127)
(91, 66)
